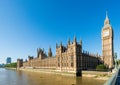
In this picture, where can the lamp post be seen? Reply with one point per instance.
(115, 58)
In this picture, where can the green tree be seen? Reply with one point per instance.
(101, 67)
(11, 65)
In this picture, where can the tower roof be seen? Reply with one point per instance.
(107, 21)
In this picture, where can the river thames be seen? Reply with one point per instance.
(13, 77)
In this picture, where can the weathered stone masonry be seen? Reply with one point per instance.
(67, 59)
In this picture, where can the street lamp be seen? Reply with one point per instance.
(115, 58)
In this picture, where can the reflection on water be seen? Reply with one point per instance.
(11, 77)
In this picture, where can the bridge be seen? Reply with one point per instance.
(115, 79)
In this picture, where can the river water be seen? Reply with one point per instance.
(13, 77)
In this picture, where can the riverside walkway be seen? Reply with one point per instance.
(118, 78)
(115, 79)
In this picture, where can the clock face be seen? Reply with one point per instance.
(106, 33)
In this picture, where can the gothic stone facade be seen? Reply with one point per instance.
(107, 44)
(19, 63)
(68, 59)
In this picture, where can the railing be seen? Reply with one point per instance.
(113, 79)
(118, 78)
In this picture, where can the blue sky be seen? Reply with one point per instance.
(26, 25)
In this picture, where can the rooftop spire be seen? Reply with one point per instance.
(56, 45)
(49, 52)
(60, 43)
(49, 49)
(106, 15)
(75, 39)
(68, 41)
(81, 42)
(107, 21)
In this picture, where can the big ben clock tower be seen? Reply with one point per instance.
(107, 43)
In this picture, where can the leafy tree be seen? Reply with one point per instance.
(11, 65)
(101, 67)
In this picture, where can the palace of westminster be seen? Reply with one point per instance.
(71, 58)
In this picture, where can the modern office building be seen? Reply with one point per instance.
(8, 60)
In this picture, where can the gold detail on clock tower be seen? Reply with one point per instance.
(107, 43)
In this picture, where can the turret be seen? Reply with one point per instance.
(60, 44)
(75, 39)
(38, 52)
(49, 53)
(81, 42)
(56, 45)
(41, 53)
(69, 41)
(30, 58)
(19, 63)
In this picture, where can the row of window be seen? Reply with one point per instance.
(66, 64)
(65, 58)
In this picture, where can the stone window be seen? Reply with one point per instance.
(67, 64)
(58, 59)
(71, 58)
(78, 50)
(58, 64)
(72, 64)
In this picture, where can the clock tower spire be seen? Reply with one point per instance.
(107, 21)
(107, 43)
